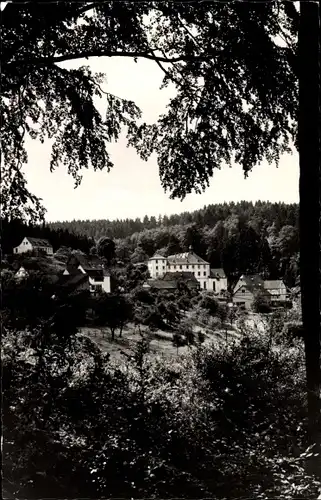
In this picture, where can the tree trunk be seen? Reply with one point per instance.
(309, 151)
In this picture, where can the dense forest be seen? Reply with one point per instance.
(260, 214)
(240, 237)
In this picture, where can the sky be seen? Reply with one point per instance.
(132, 188)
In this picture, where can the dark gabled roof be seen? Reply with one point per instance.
(85, 262)
(186, 276)
(253, 282)
(72, 281)
(96, 274)
(39, 242)
(218, 273)
(162, 284)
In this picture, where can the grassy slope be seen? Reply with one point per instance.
(160, 341)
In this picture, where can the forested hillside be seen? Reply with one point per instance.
(260, 215)
(240, 237)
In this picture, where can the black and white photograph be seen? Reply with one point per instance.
(160, 249)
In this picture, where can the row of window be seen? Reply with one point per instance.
(187, 266)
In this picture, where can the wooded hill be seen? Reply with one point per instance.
(240, 237)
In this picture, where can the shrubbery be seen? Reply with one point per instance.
(225, 422)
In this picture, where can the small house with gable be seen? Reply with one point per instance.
(247, 289)
(38, 245)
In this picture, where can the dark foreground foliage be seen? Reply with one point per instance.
(226, 422)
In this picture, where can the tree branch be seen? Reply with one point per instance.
(102, 53)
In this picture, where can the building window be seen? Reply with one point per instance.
(204, 284)
(163, 268)
(193, 267)
(243, 290)
(156, 274)
(213, 286)
(156, 261)
(199, 273)
(174, 267)
(180, 267)
(199, 267)
(204, 273)
(187, 266)
(156, 267)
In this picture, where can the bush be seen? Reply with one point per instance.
(211, 305)
(223, 422)
(261, 305)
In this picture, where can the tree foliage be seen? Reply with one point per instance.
(228, 107)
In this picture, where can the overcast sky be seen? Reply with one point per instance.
(132, 189)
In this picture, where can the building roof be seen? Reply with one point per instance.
(72, 281)
(272, 284)
(186, 258)
(253, 282)
(96, 274)
(218, 273)
(162, 284)
(39, 242)
(157, 256)
(85, 262)
(183, 275)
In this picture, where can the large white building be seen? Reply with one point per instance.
(209, 279)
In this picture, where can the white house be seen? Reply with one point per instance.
(34, 244)
(218, 281)
(157, 266)
(21, 273)
(189, 262)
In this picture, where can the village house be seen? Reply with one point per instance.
(278, 291)
(96, 276)
(250, 286)
(247, 289)
(188, 262)
(36, 245)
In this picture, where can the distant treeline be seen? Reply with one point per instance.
(262, 214)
